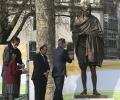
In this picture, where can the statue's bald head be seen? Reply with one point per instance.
(86, 9)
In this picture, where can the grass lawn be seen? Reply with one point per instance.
(115, 95)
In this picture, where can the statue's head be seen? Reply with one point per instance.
(86, 9)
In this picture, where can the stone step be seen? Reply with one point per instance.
(90, 96)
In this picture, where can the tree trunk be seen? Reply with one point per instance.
(3, 19)
(45, 17)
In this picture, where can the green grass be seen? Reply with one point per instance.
(115, 95)
(68, 96)
(23, 89)
(0, 87)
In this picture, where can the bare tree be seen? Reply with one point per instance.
(13, 8)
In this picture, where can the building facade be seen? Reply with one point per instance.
(110, 27)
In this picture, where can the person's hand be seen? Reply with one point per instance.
(46, 74)
(25, 71)
(21, 66)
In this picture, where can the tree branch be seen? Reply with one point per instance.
(23, 22)
(22, 7)
(63, 15)
(15, 20)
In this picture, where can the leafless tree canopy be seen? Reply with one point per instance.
(10, 12)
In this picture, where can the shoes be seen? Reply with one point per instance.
(95, 92)
(84, 92)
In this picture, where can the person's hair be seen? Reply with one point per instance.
(62, 40)
(43, 46)
(15, 39)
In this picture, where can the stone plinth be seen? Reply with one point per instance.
(92, 97)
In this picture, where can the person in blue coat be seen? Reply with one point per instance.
(40, 73)
(60, 57)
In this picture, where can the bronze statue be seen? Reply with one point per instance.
(87, 37)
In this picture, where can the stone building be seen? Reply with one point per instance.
(110, 24)
(63, 22)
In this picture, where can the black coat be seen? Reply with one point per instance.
(41, 65)
(8, 51)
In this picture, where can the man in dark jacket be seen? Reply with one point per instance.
(40, 73)
(88, 41)
(60, 57)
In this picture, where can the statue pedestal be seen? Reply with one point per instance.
(92, 97)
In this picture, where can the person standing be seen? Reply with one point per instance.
(60, 57)
(40, 73)
(87, 37)
(12, 70)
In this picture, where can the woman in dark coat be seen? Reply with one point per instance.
(11, 71)
(10, 78)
